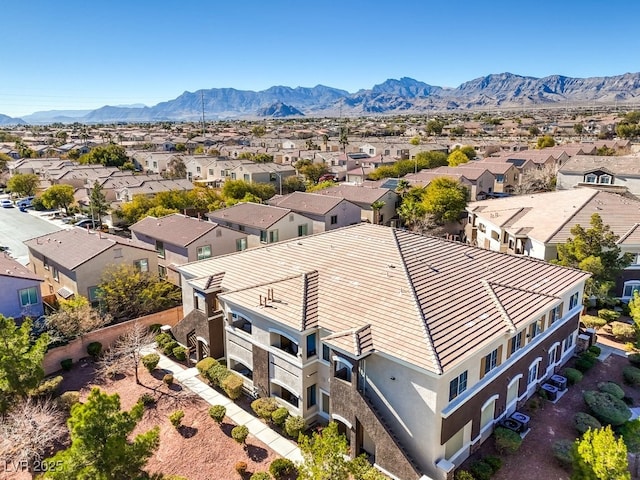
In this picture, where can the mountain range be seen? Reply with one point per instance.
(406, 95)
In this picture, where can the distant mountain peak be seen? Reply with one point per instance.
(279, 110)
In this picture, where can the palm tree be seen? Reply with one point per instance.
(403, 187)
(376, 206)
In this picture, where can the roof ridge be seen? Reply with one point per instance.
(526, 289)
(627, 233)
(554, 233)
(310, 279)
(264, 284)
(503, 313)
(424, 324)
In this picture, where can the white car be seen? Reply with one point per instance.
(6, 203)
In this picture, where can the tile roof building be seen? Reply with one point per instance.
(20, 295)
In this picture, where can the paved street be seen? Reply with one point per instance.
(17, 226)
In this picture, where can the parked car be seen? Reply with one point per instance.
(6, 203)
(25, 202)
(91, 224)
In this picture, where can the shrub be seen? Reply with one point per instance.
(608, 315)
(180, 353)
(241, 468)
(240, 433)
(66, 364)
(481, 470)
(590, 321)
(150, 361)
(630, 432)
(583, 422)
(68, 400)
(168, 379)
(359, 467)
(47, 387)
(264, 407)
(634, 358)
(155, 328)
(507, 441)
(205, 364)
(147, 399)
(572, 375)
(217, 374)
(563, 452)
(494, 462)
(176, 418)
(631, 375)
(623, 332)
(260, 476)
(607, 408)
(294, 426)
(611, 388)
(281, 467)
(279, 416)
(94, 349)
(232, 386)
(464, 475)
(168, 347)
(585, 362)
(596, 350)
(217, 412)
(162, 339)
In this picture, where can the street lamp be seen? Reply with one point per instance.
(279, 180)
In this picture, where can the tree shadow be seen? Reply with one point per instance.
(175, 387)
(226, 428)
(187, 432)
(255, 453)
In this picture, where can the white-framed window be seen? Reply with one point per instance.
(555, 313)
(573, 301)
(311, 396)
(605, 179)
(326, 353)
(590, 178)
(302, 230)
(567, 343)
(203, 252)
(515, 343)
(28, 296)
(55, 274)
(536, 328)
(324, 404)
(458, 385)
(334, 219)
(273, 236)
(491, 361)
(45, 263)
(141, 265)
(241, 244)
(630, 287)
(160, 248)
(264, 236)
(532, 377)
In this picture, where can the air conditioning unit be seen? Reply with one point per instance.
(551, 391)
(522, 418)
(511, 424)
(559, 382)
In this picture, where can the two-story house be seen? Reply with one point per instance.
(179, 239)
(416, 346)
(20, 295)
(608, 173)
(366, 198)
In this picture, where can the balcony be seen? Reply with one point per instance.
(241, 323)
(285, 344)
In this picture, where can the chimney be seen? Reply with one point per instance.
(260, 300)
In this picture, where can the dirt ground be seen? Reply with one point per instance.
(551, 422)
(200, 450)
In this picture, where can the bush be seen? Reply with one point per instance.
(68, 400)
(279, 416)
(216, 374)
(464, 475)
(563, 452)
(260, 476)
(168, 379)
(240, 433)
(180, 353)
(66, 364)
(150, 361)
(147, 399)
(94, 349)
(507, 441)
(264, 407)
(589, 321)
(634, 358)
(241, 468)
(607, 408)
(611, 388)
(631, 375)
(205, 364)
(481, 470)
(583, 422)
(630, 432)
(595, 350)
(494, 462)
(572, 375)
(168, 347)
(176, 418)
(608, 315)
(585, 362)
(155, 328)
(294, 426)
(232, 386)
(47, 387)
(359, 467)
(281, 467)
(623, 332)
(162, 339)
(217, 412)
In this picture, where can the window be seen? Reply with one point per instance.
(499, 178)
(536, 328)
(342, 370)
(117, 253)
(606, 179)
(204, 252)
(533, 374)
(160, 248)
(302, 230)
(45, 262)
(458, 385)
(273, 236)
(241, 244)
(490, 362)
(482, 228)
(197, 169)
(247, 178)
(630, 288)
(55, 274)
(326, 353)
(573, 301)
(218, 233)
(515, 343)
(241, 228)
(324, 403)
(555, 313)
(334, 219)
(211, 172)
(263, 236)
(28, 296)
(162, 271)
(311, 345)
(311, 396)
(94, 298)
(141, 265)
(590, 178)
(199, 301)
(568, 342)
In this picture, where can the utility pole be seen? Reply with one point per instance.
(202, 101)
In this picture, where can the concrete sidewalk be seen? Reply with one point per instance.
(188, 379)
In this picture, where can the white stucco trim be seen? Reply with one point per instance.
(335, 416)
(285, 386)
(489, 401)
(200, 339)
(286, 335)
(515, 379)
(337, 358)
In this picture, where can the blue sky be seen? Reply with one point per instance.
(83, 54)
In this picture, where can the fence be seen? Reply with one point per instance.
(634, 464)
(77, 348)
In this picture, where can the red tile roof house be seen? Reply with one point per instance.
(179, 239)
(20, 295)
(364, 197)
(72, 261)
(416, 346)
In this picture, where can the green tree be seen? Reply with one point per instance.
(445, 199)
(320, 186)
(126, 293)
(343, 139)
(110, 155)
(20, 360)
(533, 130)
(578, 128)
(545, 142)
(98, 202)
(411, 211)
(434, 127)
(76, 317)
(100, 446)
(58, 196)
(4, 160)
(176, 168)
(258, 131)
(376, 207)
(311, 171)
(234, 191)
(24, 184)
(402, 187)
(324, 455)
(415, 140)
(469, 151)
(457, 157)
(431, 160)
(293, 183)
(598, 455)
(594, 250)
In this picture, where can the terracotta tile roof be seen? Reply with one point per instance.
(356, 194)
(631, 237)
(249, 214)
(312, 203)
(357, 341)
(473, 173)
(424, 300)
(175, 229)
(581, 164)
(11, 268)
